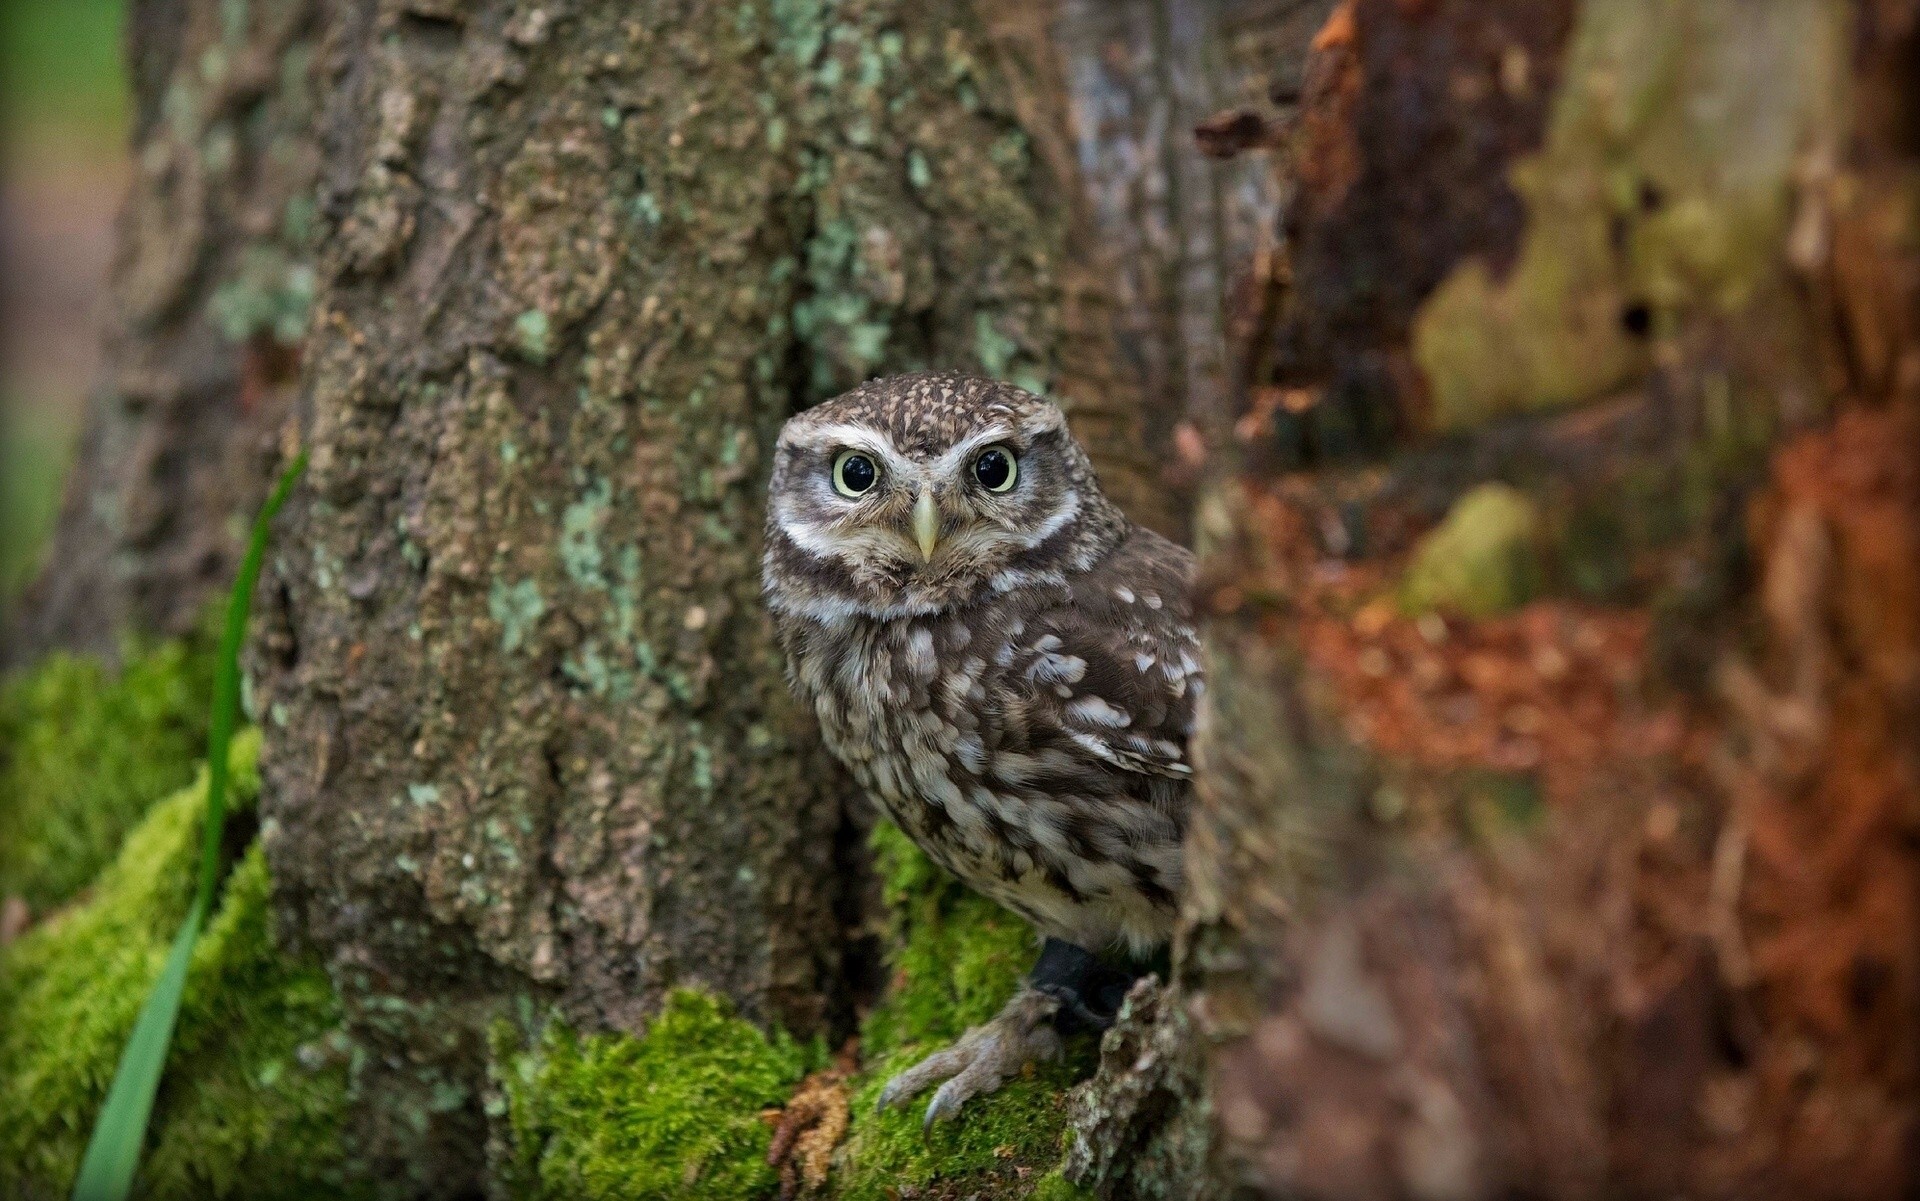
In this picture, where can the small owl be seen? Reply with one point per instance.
(1006, 664)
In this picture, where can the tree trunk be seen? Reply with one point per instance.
(529, 741)
(528, 747)
(208, 297)
(1556, 833)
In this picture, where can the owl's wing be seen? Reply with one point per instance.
(1117, 669)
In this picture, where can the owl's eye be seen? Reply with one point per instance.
(853, 473)
(996, 469)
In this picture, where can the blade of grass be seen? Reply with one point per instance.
(120, 1132)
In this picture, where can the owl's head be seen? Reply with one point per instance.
(916, 493)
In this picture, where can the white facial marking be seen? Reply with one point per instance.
(1068, 510)
(859, 437)
(954, 458)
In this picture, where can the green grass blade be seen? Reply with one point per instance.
(120, 1132)
(226, 682)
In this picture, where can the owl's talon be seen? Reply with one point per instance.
(983, 1059)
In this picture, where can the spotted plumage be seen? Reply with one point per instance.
(1006, 664)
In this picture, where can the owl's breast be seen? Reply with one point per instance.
(939, 720)
(895, 702)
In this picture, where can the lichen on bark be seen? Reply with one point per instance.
(1644, 213)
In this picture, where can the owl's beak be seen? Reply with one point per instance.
(926, 524)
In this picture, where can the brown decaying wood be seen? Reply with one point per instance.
(1510, 906)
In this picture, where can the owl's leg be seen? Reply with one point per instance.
(1088, 989)
(1069, 989)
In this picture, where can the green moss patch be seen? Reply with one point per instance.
(1483, 559)
(955, 955)
(956, 959)
(255, 1086)
(84, 752)
(673, 1113)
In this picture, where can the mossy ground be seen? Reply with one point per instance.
(956, 959)
(674, 1113)
(84, 752)
(255, 1086)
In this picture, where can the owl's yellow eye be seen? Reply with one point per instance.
(854, 473)
(996, 469)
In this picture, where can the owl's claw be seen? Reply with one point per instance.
(983, 1059)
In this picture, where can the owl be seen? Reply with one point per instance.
(1007, 665)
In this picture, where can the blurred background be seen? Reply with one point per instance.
(63, 124)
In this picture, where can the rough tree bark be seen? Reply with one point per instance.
(1611, 306)
(528, 736)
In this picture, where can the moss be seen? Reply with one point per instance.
(1483, 559)
(673, 1113)
(84, 752)
(1056, 1187)
(956, 959)
(956, 956)
(255, 1086)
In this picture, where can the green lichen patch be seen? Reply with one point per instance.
(84, 752)
(255, 1085)
(673, 1113)
(533, 335)
(956, 958)
(1483, 559)
(271, 292)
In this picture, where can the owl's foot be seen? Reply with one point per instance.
(1069, 990)
(984, 1058)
